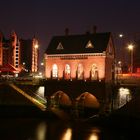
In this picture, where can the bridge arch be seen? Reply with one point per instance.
(88, 100)
(60, 98)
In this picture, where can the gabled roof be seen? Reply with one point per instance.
(73, 44)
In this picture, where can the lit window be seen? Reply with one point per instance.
(59, 47)
(89, 44)
(67, 71)
(54, 71)
(80, 71)
(94, 72)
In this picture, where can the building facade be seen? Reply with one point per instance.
(81, 57)
(18, 55)
(9, 54)
(29, 55)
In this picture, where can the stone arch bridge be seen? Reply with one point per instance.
(90, 94)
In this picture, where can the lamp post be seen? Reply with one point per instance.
(131, 48)
(122, 38)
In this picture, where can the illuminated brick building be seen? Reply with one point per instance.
(81, 57)
(18, 55)
(9, 54)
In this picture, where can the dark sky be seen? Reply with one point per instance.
(46, 18)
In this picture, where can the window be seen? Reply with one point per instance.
(94, 72)
(60, 47)
(80, 72)
(54, 71)
(89, 45)
(67, 71)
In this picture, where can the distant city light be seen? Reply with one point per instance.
(130, 47)
(40, 73)
(119, 62)
(120, 35)
(42, 64)
(16, 75)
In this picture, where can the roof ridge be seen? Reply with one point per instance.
(98, 33)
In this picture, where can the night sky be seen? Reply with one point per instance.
(46, 18)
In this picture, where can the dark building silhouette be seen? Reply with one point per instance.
(136, 56)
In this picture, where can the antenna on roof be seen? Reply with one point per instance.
(94, 29)
(67, 31)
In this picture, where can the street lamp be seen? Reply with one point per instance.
(121, 35)
(131, 48)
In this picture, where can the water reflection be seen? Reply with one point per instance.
(94, 134)
(44, 129)
(67, 134)
(123, 96)
(35, 129)
(41, 131)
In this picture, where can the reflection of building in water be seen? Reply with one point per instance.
(88, 57)
(123, 96)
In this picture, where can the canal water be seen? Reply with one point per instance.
(37, 128)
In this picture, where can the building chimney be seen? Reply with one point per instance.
(87, 32)
(94, 29)
(67, 31)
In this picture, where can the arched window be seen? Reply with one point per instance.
(67, 71)
(94, 72)
(54, 71)
(80, 72)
